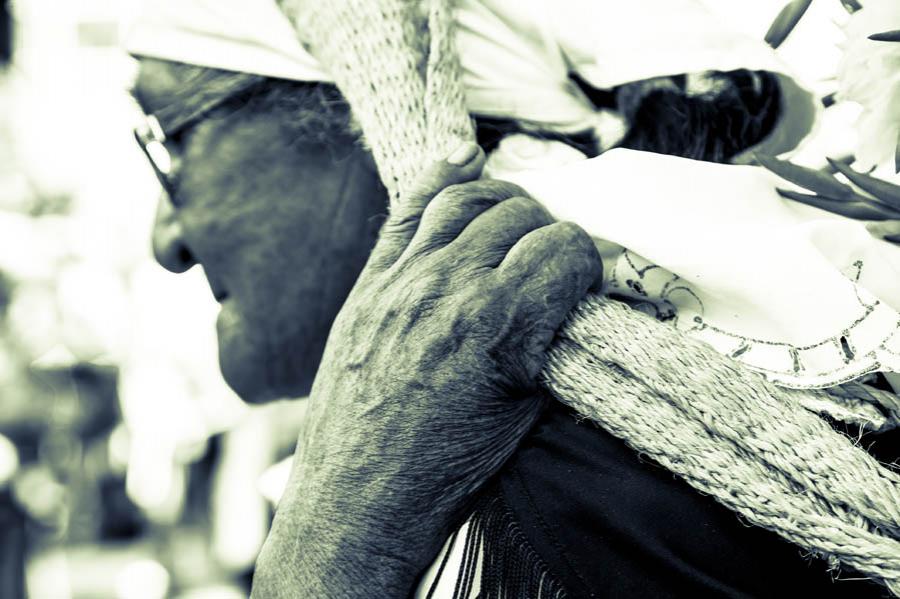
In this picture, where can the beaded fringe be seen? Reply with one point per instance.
(498, 556)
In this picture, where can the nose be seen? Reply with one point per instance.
(169, 246)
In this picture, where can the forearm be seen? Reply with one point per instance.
(337, 574)
(322, 550)
(340, 532)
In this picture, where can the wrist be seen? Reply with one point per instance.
(324, 547)
(319, 561)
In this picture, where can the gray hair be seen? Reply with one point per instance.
(314, 113)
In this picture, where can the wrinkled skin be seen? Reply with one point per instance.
(281, 230)
(426, 385)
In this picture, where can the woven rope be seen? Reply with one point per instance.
(394, 62)
(754, 447)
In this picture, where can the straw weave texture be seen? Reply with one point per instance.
(394, 62)
(758, 449)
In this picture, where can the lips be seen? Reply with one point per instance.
(219, 292)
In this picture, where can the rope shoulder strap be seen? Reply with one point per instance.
(754, 447)
(394, 62)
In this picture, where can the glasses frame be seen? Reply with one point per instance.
(152, 140)
(155, 131)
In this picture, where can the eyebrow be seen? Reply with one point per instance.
(190, 107)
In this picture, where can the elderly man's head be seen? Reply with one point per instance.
(273, 195)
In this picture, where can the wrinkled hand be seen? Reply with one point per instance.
(427, 384)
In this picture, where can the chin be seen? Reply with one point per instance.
(253, 384)
(258, 378)
(262, 367)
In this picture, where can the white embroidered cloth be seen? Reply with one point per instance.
(806, 297)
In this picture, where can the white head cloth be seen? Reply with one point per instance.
(516, 54)
(247, 36)
(808, 298)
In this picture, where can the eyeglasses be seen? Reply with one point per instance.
(152, 140)
(157, 129)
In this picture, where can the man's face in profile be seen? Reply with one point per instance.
(281, 228)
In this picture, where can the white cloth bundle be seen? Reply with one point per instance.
(809, 298)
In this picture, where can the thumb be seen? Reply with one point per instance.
(462, 165)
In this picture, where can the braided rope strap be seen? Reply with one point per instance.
(729, 433)
(394, 62)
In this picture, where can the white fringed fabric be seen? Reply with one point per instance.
(755, 447)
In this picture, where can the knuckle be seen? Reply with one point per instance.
(457, 203)
(502, 189)
(397, 224)
(452, 194)
(570, 230)
(574, 246)
(465, 201)
(527, 210)
(580, 248)
(487, 189)
(573, 235)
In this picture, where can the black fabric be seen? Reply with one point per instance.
(612, 524)
(6, 33)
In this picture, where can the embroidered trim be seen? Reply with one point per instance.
(841, 357)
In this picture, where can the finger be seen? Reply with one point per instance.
(464, 164)
(551, 269)
(457, 206)
(553, 251)
(488, 238)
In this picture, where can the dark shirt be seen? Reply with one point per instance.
(609, 523)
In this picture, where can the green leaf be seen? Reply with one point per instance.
(851, 5)
(897, 155)
(785, 22)
(886, 192)
(817, 181)
(856, 210)
(886, 36)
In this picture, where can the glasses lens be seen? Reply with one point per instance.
(158, 155)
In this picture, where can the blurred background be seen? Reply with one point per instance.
(128, 469)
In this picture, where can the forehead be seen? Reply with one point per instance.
(162, 83)
(157, 83)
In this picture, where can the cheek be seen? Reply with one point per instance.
(287, 233)
(292, 260)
